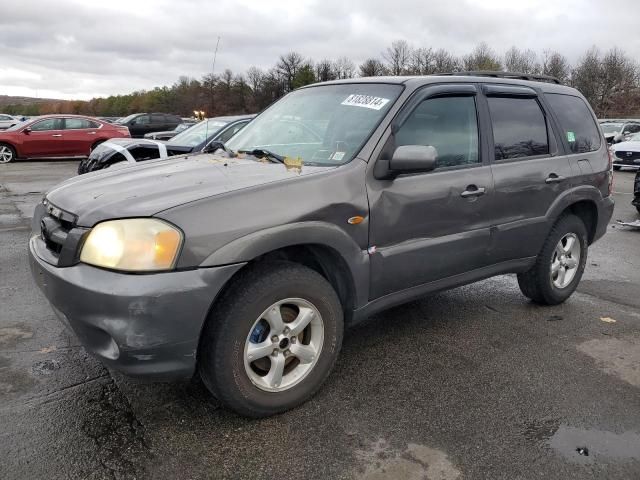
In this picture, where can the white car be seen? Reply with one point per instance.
(627, 154)
(7, 121)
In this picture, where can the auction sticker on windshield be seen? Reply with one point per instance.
(366, 101)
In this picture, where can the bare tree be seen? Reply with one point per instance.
(288, 66)
(619, 75)
(521, 61)
(397, 57)
(254, 78)
(421, 61)
(444, 62)
(324, 71)
(343, 67)
(586, 76)
(556, 65)
(482, 58)
(372, 67)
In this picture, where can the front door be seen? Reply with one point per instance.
(429, 226)
(44, 139)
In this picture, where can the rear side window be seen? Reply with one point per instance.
(519, 128)
(576, 121)
(79, 123)
(449, 124)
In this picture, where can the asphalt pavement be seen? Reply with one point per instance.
(473, 383)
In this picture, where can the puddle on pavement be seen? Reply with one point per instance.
(615, 356)
(13, 381)
(9, 336)
(588, 446)
(381, 462)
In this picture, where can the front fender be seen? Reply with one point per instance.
(320, 233)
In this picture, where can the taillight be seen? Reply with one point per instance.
(610, 171)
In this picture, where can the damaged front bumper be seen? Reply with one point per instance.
(144, 325)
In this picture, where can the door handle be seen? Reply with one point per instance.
(473, 191)
(91, 133)
(554, 178)
(56, 135)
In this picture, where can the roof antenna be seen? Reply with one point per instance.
(213, 69)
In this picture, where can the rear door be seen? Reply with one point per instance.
(79, 135)
(140, 125)
(44, 139)
(429, 226)
(529, 170)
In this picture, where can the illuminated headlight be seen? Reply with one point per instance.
(133, 244)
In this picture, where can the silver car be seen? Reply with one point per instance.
(7, 121)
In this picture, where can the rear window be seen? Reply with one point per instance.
(519, 128)
(576, 122)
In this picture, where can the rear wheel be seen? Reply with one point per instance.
(560, 263)
(271, 340)
(7, 153)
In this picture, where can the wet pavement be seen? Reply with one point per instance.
(473, 383)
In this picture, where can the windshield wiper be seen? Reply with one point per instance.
(262, 153)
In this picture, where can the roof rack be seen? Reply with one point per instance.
(498, 74)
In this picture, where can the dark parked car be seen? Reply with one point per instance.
(166, 135)
(140, 124)
(135, 150)
(338, 201)
(56, 136)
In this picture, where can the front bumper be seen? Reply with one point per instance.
(144, 325)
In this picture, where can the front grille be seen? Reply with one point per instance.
(628, 156)
(60, 235)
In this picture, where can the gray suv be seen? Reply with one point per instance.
(245, 264)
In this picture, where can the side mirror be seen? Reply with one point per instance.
(414, 158)
(27, 131)
(406, 159)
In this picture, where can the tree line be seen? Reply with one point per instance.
(610, 80)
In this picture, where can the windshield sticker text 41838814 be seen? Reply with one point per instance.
(366, 101)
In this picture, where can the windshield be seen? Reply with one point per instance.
(198, 133)
(324, 125)
(611, 127)
(634, 138)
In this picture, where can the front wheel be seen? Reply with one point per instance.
(271, 340)
(560, 263)
(7, 153)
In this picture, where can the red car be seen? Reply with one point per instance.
(56, 136)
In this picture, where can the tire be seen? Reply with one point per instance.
(93, 147)
(238, 321)
(617, 167)
(638, 208)
(539, 283)
(7, 153)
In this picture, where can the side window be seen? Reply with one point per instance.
(5, 117)
(519, 128)
(576, 122)
(633, 128)
(230, 132)
(158, 118)
(145, 152)
(48, 124)
(449, 124)
(79, 123)
(141, 120)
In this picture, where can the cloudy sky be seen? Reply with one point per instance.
(76, 49)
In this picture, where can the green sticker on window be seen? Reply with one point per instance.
(571, 137)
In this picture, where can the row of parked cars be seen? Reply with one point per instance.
(100, 143)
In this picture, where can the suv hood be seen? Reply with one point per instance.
(153, 186)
